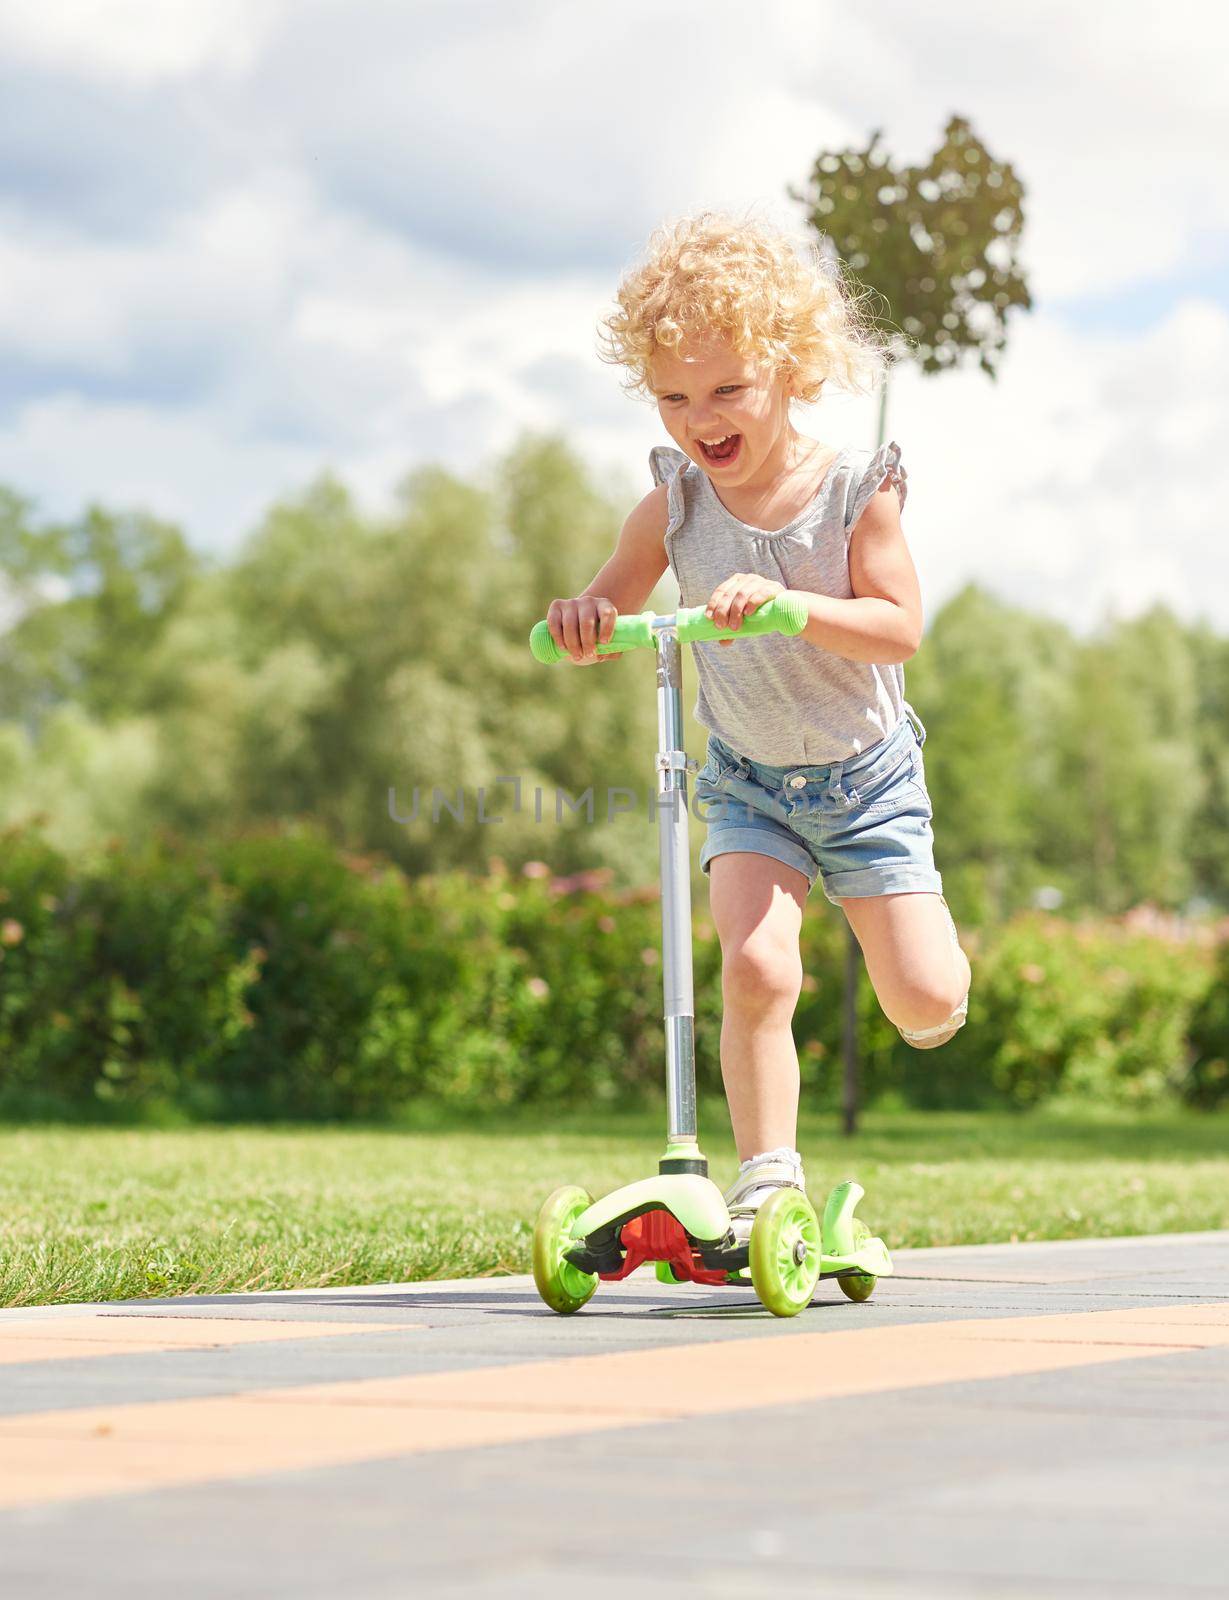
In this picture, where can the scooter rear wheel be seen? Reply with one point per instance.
(565, 1288)
(786, 1252)
(858, 1285)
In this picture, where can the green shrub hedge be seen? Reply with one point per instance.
(270, 975)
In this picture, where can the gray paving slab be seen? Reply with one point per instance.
(489, 1322)
(891, 1495)
(1091, 1480)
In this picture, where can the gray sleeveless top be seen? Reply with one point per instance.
(782, 701)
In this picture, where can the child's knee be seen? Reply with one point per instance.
(932, 1038)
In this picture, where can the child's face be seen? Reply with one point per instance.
(706, 391)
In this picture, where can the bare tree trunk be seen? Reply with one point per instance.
(853, 952)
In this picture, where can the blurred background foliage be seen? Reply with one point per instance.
(270, 974)
(207, 900)
(340, 656)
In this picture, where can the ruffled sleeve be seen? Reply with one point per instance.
(668, 467)
(884, 468)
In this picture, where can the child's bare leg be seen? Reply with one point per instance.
(919, 974)
(757, 905)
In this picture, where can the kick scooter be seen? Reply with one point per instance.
(679, 1219)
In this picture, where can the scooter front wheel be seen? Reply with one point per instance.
(565, 1288)
(786, 1252)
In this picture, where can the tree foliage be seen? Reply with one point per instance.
(342, 655)
(938, 242)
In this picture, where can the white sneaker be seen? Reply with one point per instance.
(757, 1178)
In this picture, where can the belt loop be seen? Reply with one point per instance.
(834, 780)
(918, 726)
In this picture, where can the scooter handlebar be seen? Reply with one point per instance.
(785, 613)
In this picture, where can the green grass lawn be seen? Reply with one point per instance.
(99, 1214)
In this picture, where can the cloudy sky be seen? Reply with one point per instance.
(243, 240)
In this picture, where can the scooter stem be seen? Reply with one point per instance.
(675, 860)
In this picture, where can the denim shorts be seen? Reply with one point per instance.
(861, 825)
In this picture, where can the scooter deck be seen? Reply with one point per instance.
(872, 1258)
(847, 1244)
(872, 1261)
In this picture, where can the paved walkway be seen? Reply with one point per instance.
(1026, 1420)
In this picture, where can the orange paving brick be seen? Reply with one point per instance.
(107, 1450)
(111, 1334)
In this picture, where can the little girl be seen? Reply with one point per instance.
(813, 751)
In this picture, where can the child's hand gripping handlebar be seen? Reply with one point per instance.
(784, 613)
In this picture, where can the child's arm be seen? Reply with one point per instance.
(883, 622)
(622, 586)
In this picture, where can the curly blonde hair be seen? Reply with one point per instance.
(778, 301)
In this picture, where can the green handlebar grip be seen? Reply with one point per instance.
(785, 613)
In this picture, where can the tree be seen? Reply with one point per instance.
(122, 577)
(421, 682)
(1128, 756)
(1209, 843)
(989, 683)
(937, 244)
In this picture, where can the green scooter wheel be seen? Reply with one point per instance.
(565, 1288)
(858, 1285)
(786, 1252)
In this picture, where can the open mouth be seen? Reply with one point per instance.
(723, 451)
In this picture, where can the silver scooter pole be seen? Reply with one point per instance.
(675, 861)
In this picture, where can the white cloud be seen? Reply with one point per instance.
(1113, 117)
(400, 230)
(138, 41)
(1069, 487)
(182, 465)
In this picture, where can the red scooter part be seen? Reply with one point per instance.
(659, 1236)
